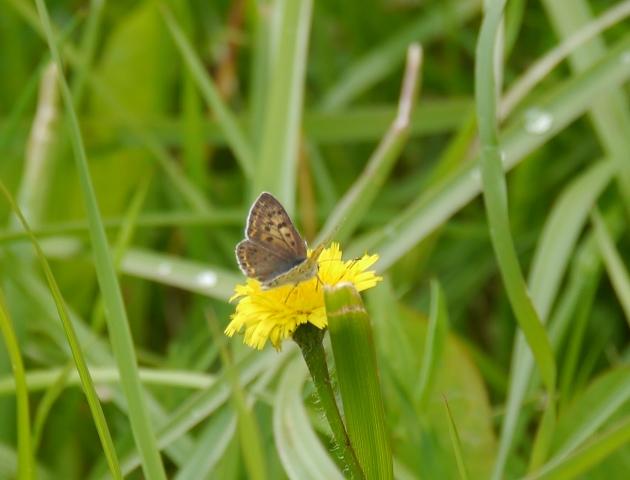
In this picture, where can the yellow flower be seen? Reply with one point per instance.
(275, 314)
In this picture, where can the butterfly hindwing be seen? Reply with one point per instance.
(259, 262)
(269, 224)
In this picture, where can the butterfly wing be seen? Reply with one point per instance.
(268, 224)
(258, 261)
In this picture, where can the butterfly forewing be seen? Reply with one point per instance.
(269, 225)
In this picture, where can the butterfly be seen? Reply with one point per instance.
(273, 251)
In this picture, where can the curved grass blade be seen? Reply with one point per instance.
(561, 231)
(302, 454)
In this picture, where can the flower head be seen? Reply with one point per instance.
(275, 314)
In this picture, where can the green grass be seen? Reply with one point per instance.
(497, 197)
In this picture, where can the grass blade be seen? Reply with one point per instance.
(553, 252)
(561, 231)
(434, 343)
(120, 335)
(301, 452)
(457, 444)
(377, 64)
(591, 454)
(495, 200)
(170, 270)
(564, 104)
(248, 428)
(613, 261)
(609, 115)
(356, 202)
(539, 70)
(277, 166)
(226, 120)
(26, 461)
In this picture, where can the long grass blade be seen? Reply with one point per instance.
(122, 344)
(277, 165)
(496, 201)
(26, 461)
(226, 120)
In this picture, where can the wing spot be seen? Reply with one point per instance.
(293, 243)
(269, 239)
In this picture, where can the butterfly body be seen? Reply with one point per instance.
(273, 251)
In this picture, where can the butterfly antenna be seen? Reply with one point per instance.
(319, 280)
(290, 292)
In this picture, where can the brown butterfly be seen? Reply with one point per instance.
(273, 251)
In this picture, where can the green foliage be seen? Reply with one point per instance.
(135, 174)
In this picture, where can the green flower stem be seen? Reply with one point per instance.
(309, 339)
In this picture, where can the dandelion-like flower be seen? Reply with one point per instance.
(275, 314)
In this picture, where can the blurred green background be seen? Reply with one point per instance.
(189, 109)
